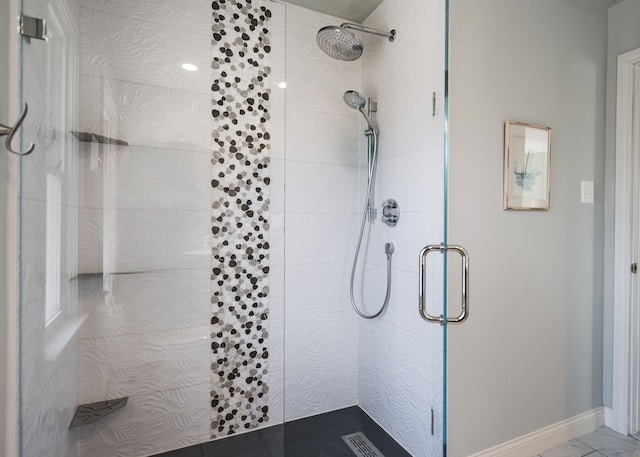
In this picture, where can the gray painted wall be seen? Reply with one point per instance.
(530, 354)
(4, 95)
(624, 36)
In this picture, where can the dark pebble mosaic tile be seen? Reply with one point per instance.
(240, 216)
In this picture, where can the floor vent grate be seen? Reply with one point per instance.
(361, 446)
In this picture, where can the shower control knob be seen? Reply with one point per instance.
(390, 212)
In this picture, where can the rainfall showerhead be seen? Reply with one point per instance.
(356, 101)
(339, 43)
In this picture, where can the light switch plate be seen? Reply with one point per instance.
(586, 192)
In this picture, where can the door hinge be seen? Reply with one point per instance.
(33, 27)
(634, 268)
(433, 104)
(432, 423)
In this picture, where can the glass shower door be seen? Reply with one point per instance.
(120, 309)
(48, 216)
(127, 274)
(115, 254)
(389, 368)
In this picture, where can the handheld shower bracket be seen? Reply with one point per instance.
(373, 213)
(372, 106)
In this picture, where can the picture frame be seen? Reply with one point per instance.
(527, 166)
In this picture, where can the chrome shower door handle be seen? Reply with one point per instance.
(464, 312)
(10, 132)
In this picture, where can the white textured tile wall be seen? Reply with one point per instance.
(145, 115)
(161, 240)
(322, 188)
(145, 216)
(146, 178)
(162, 361)
(153, 420)
(277, 278)
(307, 138)
(400, 358)
(400, 384)
(45, 347)
(321, 202)
(127, 304)
(143, 239)
(134, 49)
(46, 417)
(188, 15)
(320, 238)
(315, 82)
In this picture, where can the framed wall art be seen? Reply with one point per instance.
(527, 166)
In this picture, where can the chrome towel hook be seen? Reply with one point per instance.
(10, 132)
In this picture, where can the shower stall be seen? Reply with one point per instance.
(197, 272)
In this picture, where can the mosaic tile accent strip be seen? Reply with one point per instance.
(240, 227)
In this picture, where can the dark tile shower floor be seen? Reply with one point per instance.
(316, 436)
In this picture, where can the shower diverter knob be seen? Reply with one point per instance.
(390, 212)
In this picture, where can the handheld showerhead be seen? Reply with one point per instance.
(353, 99)
(356, 101)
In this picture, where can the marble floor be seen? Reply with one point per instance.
(604, 442)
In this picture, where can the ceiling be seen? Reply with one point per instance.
(605, 3)
(358, 10)
(352, 10)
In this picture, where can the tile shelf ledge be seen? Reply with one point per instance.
(87, 137)
(99, 274)
(92, 412)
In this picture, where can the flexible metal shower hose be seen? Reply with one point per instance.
(388, 246)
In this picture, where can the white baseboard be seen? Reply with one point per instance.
(547, 437)
(608, 416)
